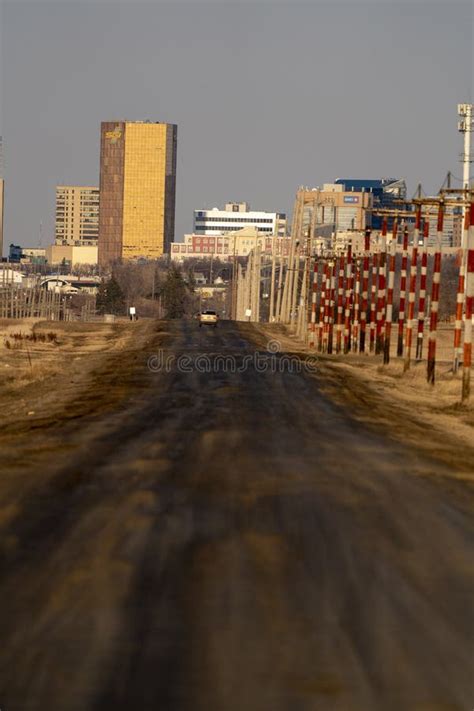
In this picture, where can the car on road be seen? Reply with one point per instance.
(208, 318)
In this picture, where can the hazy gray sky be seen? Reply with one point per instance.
(266, 96)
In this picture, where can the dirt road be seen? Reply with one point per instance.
(227, 540)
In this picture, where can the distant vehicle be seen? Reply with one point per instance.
(208, 318)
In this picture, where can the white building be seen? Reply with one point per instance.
(235, 216)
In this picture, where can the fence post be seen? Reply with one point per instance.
(403, 292)
(467, 360)
(412, 289)
(380, 315)
(435, 299)
(365, 291)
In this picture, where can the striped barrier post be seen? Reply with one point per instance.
(340, 304)
(365, 292)
(392, 250)
(332, 303)
(348, 300)
(380, 314)
(314, 293)
(422, 292)
(322, 306)
(403, 291)
(468, 324)
(435, 299)
(412, 290)
(460, 299)
(356, 309)
(327, 309)
(373, 295)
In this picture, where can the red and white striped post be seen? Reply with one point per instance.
(356, 310)
(332, 303)
(392, 251)
(365, 292)
(373, 294)
(403, 292)
(460, 299)
(327, 308)
(348, 300)
(322, 306)
(468, 323)
(412, 290)
(340, 303)
(422, 292)
(434, 307)
(380, 314)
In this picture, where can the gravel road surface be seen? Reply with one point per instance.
(230, 540)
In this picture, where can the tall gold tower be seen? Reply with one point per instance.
(137, 189)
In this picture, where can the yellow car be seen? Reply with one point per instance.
(208, 318)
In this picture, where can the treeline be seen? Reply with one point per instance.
(156, 289)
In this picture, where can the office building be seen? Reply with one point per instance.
(336, 209)
(387, 193)
(235, 216)
(77, 215)
(137, 190)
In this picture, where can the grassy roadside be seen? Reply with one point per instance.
(47, 367)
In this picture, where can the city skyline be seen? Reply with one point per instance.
(284, 106)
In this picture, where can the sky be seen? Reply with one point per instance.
(268, 96)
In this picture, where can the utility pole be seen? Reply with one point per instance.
(295, 284)
(465, 125)
(271, 313)
(287, 288)
(280, 284)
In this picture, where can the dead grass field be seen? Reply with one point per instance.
(44, 364)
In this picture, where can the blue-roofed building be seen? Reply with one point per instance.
(384, 190)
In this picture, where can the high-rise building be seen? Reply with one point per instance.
(77, 215)
(137, 189)
(235, 216)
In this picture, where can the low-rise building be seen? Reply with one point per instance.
(60, 254)
(10, 276)
(227, 246)
(235, 216)
(70, 284)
